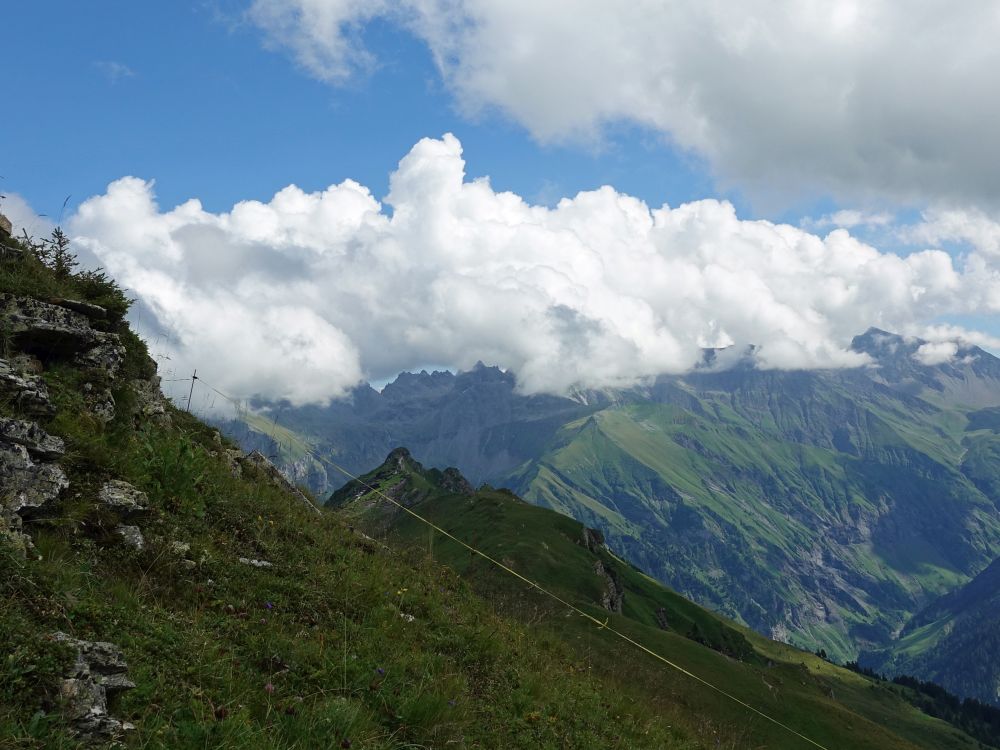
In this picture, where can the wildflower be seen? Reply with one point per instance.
(269, 688)
(380, 671)
(345, 743)
(452, 703)
(268, 605)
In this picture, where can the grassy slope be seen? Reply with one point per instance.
(309, 653)
(835, 707)
(649, 472)
(954, 642)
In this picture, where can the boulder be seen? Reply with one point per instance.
(100, 401)
(98, 673)
(6, 228)
(54, 331)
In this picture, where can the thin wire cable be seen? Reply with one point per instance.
(601, 625)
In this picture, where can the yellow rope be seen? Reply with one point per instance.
(601, 625)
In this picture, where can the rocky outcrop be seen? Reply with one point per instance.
(45, 329)
(593, 539)
(62, 331)
(453, 481)
(29, 478)
(614, 592)
(98, 673)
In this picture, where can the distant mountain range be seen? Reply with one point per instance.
(826, 508)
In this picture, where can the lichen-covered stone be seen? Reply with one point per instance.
(122, 498)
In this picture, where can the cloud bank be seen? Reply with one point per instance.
(881, 98)
(305, 295)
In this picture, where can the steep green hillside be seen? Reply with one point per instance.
(830, 704)
(819, 512)
(825, 508)
(955, 642)
(133, 535)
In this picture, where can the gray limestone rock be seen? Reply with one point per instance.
(123, 499)
(593, 539)
(150, 401)
(28, 480)
(40, 445)
(27, 393)
(46, 329)
(89, 309)
(98, 673)
(105, 354)
(57, 331)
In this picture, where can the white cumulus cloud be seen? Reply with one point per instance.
(885, 98)
(303, 296)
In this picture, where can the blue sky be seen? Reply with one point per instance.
(823, 116)
(187, 94)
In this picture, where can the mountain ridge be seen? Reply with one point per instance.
(826, 477)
